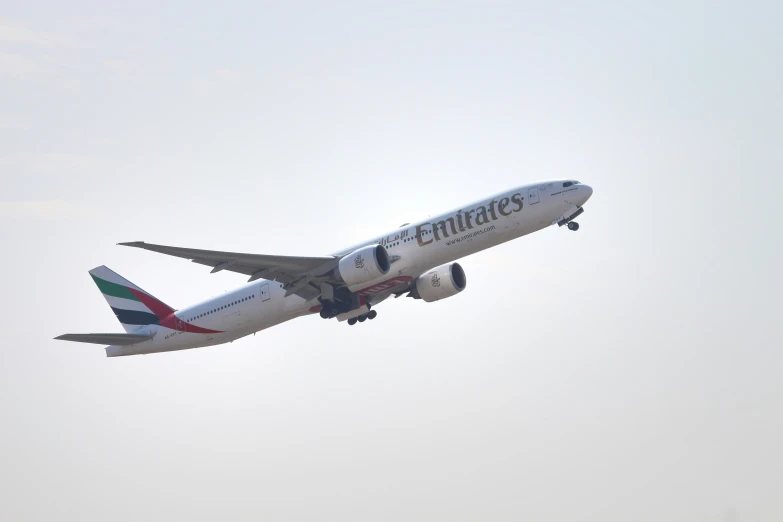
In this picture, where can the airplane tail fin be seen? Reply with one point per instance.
(133, 306)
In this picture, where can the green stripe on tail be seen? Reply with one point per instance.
(113, 289)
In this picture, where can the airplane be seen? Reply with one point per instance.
(417, 259)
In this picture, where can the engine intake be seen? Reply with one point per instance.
(363, 265)
(439, 283)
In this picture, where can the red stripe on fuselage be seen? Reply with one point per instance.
(175, 323)
(381, 287)
(385, 285)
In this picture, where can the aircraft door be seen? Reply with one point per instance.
(532, 196)
(265, 295)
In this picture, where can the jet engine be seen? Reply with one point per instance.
(362, 266)
(439, 283)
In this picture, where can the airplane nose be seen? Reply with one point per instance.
(588, 191)
(579, 194)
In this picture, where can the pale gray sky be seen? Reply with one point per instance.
(630, 371)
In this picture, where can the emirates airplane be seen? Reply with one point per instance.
(417, 259)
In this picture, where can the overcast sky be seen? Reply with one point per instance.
(629, 371)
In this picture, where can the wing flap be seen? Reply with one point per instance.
(116, 339)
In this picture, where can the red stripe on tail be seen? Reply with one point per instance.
(159, 309)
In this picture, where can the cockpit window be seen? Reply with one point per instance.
(568, 183)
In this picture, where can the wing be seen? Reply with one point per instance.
(299, 275)
(116, 339)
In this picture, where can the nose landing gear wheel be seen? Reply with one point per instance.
(573, 225)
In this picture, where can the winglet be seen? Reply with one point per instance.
(133, 244)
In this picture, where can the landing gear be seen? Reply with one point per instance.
(331, 308)
(342, 303)
(372, 314)
(569, 218)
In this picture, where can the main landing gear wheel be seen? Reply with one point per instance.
(362, 318)
(351, 321)
(573, 225)
(372, 315)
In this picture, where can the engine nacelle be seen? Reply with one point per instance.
(440, 283)
(363, 265)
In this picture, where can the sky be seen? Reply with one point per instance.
(629, 371)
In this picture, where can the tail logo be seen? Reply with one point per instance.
(135, 308)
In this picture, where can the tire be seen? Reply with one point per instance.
(372, 315)
(362, 318)
(351, 321)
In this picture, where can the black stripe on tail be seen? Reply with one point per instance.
(135, 317)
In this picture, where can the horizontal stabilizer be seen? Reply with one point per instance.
(115, 339)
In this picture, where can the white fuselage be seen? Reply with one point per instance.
(413, 248)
